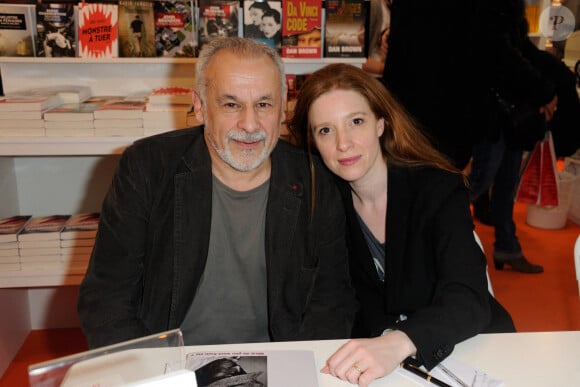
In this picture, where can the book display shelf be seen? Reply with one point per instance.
(68, 175)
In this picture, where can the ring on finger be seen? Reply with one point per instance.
(357, 368)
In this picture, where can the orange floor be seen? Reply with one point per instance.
(544, 302)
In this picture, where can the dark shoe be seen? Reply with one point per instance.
(519, 264)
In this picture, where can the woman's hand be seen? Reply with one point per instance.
(360, 361)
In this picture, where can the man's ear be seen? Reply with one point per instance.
(197, 106)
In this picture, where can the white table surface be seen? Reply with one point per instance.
(519, 359)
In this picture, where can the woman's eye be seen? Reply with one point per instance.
(324, 130)
(358, 121)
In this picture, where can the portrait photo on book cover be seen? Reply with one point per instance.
(227, 370)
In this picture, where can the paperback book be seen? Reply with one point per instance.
(117, 131)
(43, 228)
(254, 368)
(98, 30)
(263, 22)
(344, 30)
(175, 29)
(22, 124)
(121, 109)
(136, 28)
(217, 18)
(11, 226)
(37, 103)
(302, 29)
(69, 129)
(56, 29)
(18, 132)
(17, 29)
(81, 226)
(171, 95)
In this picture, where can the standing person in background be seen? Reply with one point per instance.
(419, 275)
(497, 160)
(438, 69)
(212, 229)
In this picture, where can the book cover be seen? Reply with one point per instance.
(175, 29)
(302, 29)
(56, 29)
(17, 29)
(136, 28)
(11, 226)
(293, 84)
(38, 103)
(254, 368)
(80, 226)
(171, 95)
(263, 22)
(217, 18)
(43, 228)
(344, 29)
(123, 109)
(98, 32)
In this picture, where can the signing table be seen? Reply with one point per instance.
(518, 359)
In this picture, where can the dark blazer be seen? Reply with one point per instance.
(153, 238)
(435, 271)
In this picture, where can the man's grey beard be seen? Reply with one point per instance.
(243, 136)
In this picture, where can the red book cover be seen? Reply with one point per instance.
(81, 226)
(98, 30)
(11, 226)
(171, 95)
(43, 228)
(302, 29)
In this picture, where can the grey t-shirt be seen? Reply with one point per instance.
(231, 303)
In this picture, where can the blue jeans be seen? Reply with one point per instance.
(495, 164)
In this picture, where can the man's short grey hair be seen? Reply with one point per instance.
(243, 48)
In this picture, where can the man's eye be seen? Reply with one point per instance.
(264, 105)
(230, 105)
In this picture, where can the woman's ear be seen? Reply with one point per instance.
(380, 126)
(197, 107)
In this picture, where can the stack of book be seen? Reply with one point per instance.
(167, 109)
(121, 117)
(39, 242)
(77, 239)
(22, 115)
(22, 112)
(71, 119)
(9, 229)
